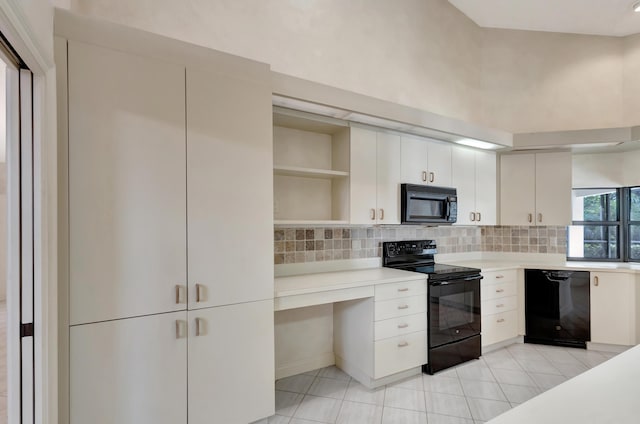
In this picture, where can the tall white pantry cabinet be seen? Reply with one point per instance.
(169, 315)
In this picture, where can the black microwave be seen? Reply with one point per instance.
(424, 204)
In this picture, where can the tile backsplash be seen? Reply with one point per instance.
(295, 245)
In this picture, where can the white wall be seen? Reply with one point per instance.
(421, 53)
(604, 170)
(631, 82)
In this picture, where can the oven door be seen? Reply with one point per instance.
(454, 310)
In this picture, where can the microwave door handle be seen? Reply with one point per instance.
(448, 210)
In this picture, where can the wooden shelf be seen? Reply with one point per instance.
(308, 222)
(296, 171)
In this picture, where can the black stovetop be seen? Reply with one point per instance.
(418, 256)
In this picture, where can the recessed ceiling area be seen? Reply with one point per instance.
(597, 17)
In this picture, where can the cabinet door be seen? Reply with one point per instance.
(517, 189)
(231, 363)
(486, 188)
(363, 176)
(553, 188)
(612, 308)
(229, 189)
(413, 163)
(130, 371)
(388, 178)
(439, 164)
(127, 224)
(464, 180)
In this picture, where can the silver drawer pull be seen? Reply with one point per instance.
(403, 325)
(403, 307)
(180, 324)
(499, 290)
(403, 344)
(500, 320)
(500, 276)
(501, 305)
(406, 289)
(199, 292)
(199, 327)
(178, 294)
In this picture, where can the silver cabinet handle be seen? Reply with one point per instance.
(596, 281)
(500, 276)
(424, 176)
(381, 214)
(539, 217)
(405, 306)
(403, 325)
(403, 344)
(501, 305)
(472, 216)
(499, 290)
(432, 177)
(199, 292)
(373, 214)
(404, 289)
(180, 324)
(179, 290)
(529, 217)
(199, 327)
(500, 320)
(479, 216)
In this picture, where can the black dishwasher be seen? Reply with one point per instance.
(557, 307)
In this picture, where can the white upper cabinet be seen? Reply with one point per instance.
(127, 185)
(230, 176)
(375, 177)
(535, 189)
(475, 178)
(425, 162)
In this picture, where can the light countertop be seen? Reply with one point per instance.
(605, 394)
(498, 265)
(327, 281)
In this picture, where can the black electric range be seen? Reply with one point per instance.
(453, 307)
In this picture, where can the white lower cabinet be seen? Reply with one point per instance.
(613, 308)
(130, 371)
(379, 337)
(499, 297)
(231, 370)
(134, 371)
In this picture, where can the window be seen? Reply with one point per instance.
(606, 224)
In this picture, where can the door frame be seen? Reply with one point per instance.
(18, 25)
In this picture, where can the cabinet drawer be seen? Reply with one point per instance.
(400, 307)
(499, 327)
(401, 289)
(496, 306)
(494, 277)
(400, 353)
(401, 325)
(496, 291)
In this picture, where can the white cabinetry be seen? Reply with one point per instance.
(499, 296)
(130, 371)
(474, 175)
(155, 152)
(311, 169)
(127, 186)
(375, 177)
(384, 336)
(613, 308)
(535, 189)
(425, 162)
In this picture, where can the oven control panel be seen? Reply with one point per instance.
(395, 249)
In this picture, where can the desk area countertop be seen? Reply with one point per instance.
(607, 393)
(327, 287)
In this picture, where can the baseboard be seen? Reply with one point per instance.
(604, 347)
(504, 343)
(366, 380)
(305, 365)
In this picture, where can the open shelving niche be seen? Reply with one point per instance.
(311, 169)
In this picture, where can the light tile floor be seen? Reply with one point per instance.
(471, 393)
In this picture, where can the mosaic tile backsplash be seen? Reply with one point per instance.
(295, 245)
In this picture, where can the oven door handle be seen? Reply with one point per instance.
(456, 281)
